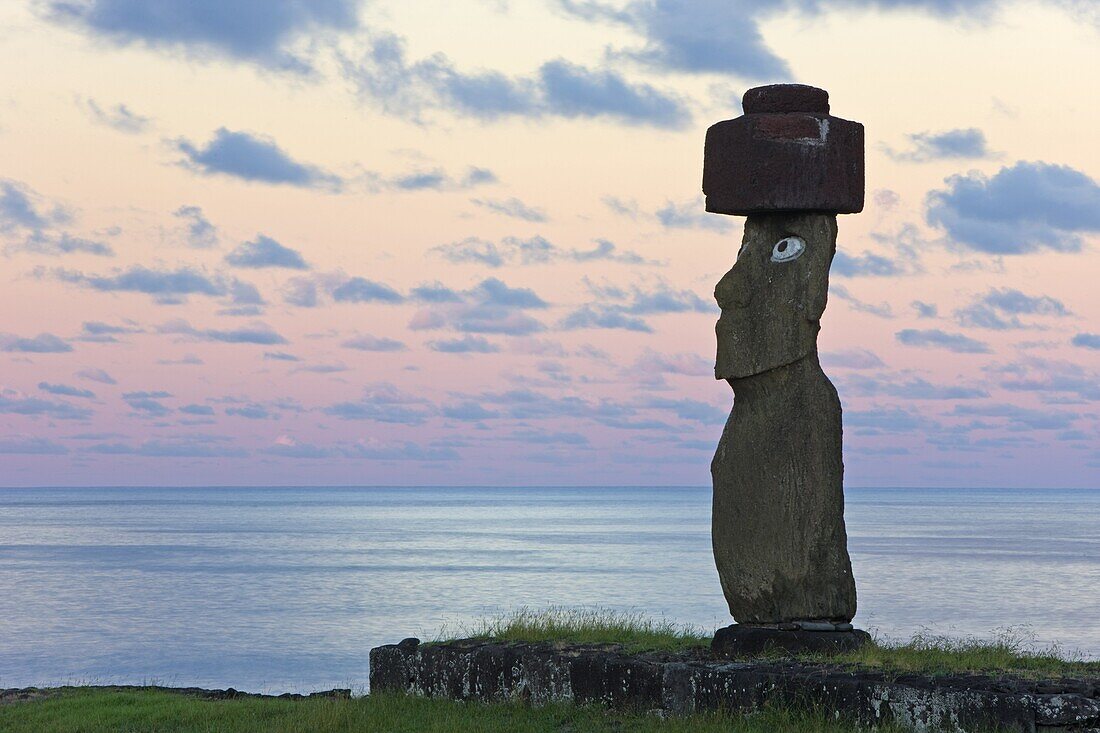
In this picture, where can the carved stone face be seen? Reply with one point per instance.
(773, 297)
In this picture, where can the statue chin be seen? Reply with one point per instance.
(743, 353)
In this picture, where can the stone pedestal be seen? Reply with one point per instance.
(741, 640)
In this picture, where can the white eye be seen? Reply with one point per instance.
(787, 249)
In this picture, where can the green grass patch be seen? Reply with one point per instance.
(1009, 651)
(634, 631)
(91, 710)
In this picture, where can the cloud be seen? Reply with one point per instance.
(184, 446)
(258, 333)
(535, 250)
(494, 292)
(435, 292)
(468, 411)
(402, 451)
(197, 410)
(432, 180)
(257, 32)
(512, 207)
(691, 214)
(574, 91)
(61, 244)
(882, 310)
(851, 359)
(31, 446)
(301, 292)
(31, 226)
(19, 210)
(947, 145)
(1022, 209)
(1087, 340)
(624, 315)
(924, 310)
(265, 252)
(361, 290)
(120, 117)
(254, 158)
(43, 343)
(96, 375)
(384, 403)
(279, 356)
(201, 234)
(912, 388)
(491, 306)
(65, 390)
(1000, 308)
(13, 403)
(167, 286)
(147, 403)
(373, 343)
(935, 338)
(869, 263)
(603, 316)
(464, 345)
(558, 88)
(251, 411)
(1020, 418)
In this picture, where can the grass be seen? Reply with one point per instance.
(634, 631)
(99, 710)
(1010, 651)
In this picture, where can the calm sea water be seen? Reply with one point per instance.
(274, 589)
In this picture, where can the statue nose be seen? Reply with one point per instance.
(733, 289)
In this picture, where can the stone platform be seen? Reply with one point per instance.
(688, 682)
(740, 640)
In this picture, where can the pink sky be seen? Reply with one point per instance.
(342, 243)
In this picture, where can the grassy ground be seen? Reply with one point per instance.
(1006, 652)
(92, 710)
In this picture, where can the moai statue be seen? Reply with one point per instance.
(778, 516)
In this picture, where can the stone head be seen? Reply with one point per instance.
(773, 297)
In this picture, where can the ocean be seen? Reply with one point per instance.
(287, 589)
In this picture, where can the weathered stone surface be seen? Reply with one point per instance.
(777, 522)
(771, 311)
(732, 642)
(785, 98)
(690, 682)
(786, 153)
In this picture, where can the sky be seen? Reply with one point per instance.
(333, 242)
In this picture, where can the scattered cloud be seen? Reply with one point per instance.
(935, 338)
(691, 214)
(946, 145)
(31, 446)
(373, 343)
(265, 252)
(851, 359)
(166, 286)
(1025, 208)
(1000, 308)
(65, 390)
(260, 33)
(535, 250)
(924, 310)
(119, 117)
(201, 234)
(361, 290)
(254, 158)
(512, 207)
(464, 345)
(14, 403)
(258, 333)
(384, 403)
(882, 310)
(1087, 340)
(279, 356)
(557, 89)
(43, 343)
(96, 375)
